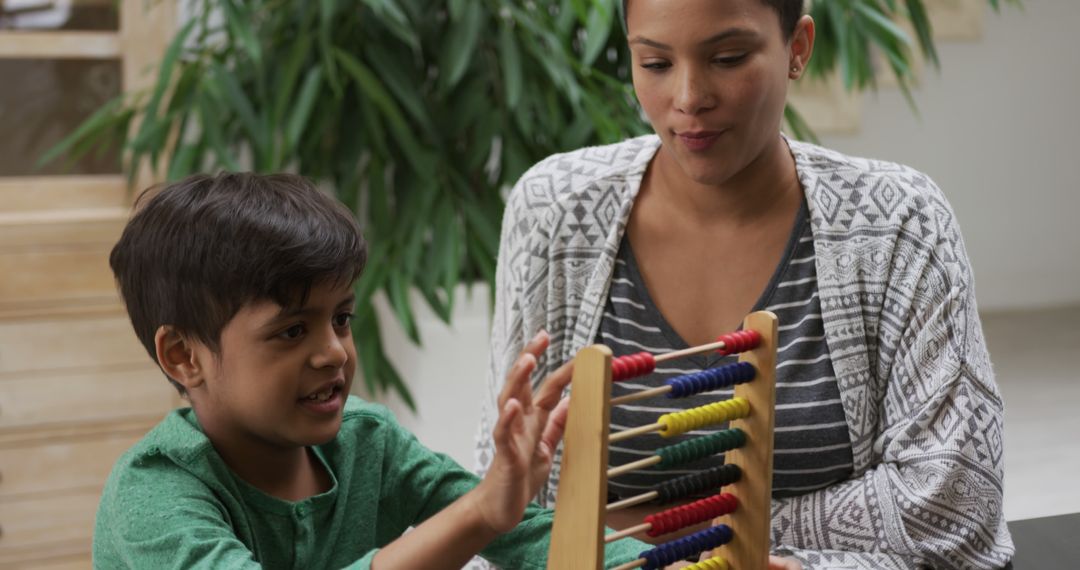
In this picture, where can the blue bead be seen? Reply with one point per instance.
(711, 379)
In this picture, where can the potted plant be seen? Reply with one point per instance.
(419, 114)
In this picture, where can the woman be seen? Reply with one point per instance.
(888, 441)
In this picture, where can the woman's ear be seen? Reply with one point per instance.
(802, 46)
(177, 357)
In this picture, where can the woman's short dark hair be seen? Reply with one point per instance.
(197, 250)
(789, 12)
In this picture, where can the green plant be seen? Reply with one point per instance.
(419, 113)
(850, 32)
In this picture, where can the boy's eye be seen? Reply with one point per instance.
(292, 333)
(342, 320)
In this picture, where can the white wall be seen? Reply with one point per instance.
(997, 131)
(446, 376)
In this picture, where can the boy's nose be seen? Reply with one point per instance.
(333, 352)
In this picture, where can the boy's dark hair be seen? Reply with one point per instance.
(789, 12)
(197, 250)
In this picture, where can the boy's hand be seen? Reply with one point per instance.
(526, 435)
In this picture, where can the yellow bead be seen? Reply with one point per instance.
(714, 563)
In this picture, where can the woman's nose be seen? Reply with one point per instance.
(693, 94)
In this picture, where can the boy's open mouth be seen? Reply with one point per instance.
(325, 393)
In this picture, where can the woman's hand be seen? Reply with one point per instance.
(778, 563)
(775, 563)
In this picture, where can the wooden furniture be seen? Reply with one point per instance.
(76, 388)
(578, 533)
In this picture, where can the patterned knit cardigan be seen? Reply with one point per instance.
(904, 337)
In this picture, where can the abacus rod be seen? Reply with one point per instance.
(627, 532)
(640, 395)
(631, 565)
(633, 466)
(642, 498)
(634, 432)
(718, 345)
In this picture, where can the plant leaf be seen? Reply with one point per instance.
(396, 21)
(93, 126)
(596, 31)
(239, 23)
(457, 50)
(510, 63)
(304, 104)
(373, 89)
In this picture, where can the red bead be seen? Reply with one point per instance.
(691, 514)
(632, 366)
(739, 341)
(618, 370)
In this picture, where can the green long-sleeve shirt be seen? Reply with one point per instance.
(171, 502)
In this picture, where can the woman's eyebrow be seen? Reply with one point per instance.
(733, 32)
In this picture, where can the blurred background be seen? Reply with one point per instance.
(418, 115)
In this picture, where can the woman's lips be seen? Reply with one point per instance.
(698, 140)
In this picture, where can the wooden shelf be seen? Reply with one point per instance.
(17, 44)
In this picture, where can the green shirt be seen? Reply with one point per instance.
(171, 502)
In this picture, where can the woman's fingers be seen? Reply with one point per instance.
(779, 563)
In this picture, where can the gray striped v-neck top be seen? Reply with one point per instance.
(812, 445)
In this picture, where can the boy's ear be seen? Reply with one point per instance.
(177, 357)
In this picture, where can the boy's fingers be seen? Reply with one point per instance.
(504, 428)
(517, 380)
(538, 344)
(547, 396)
(518, 375)
(556, 424)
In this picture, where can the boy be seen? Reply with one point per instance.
(240, 288)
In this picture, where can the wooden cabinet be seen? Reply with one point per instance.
(76, 387)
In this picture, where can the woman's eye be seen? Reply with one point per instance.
(342, 320)
(656, 66)
(730, 60)
(292, 333)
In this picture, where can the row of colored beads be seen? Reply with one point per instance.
(714, 563)
(686, 546)
(700, 447)
(739, 341)
(712, 379)
(632, 366)
(694, 483)
(677, 423)
(689, 514)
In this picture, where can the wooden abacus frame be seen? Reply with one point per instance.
(577, 538)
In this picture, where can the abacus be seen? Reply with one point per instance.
(739, 537)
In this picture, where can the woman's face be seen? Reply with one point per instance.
(711, 76)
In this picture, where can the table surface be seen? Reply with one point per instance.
(1047, 543)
